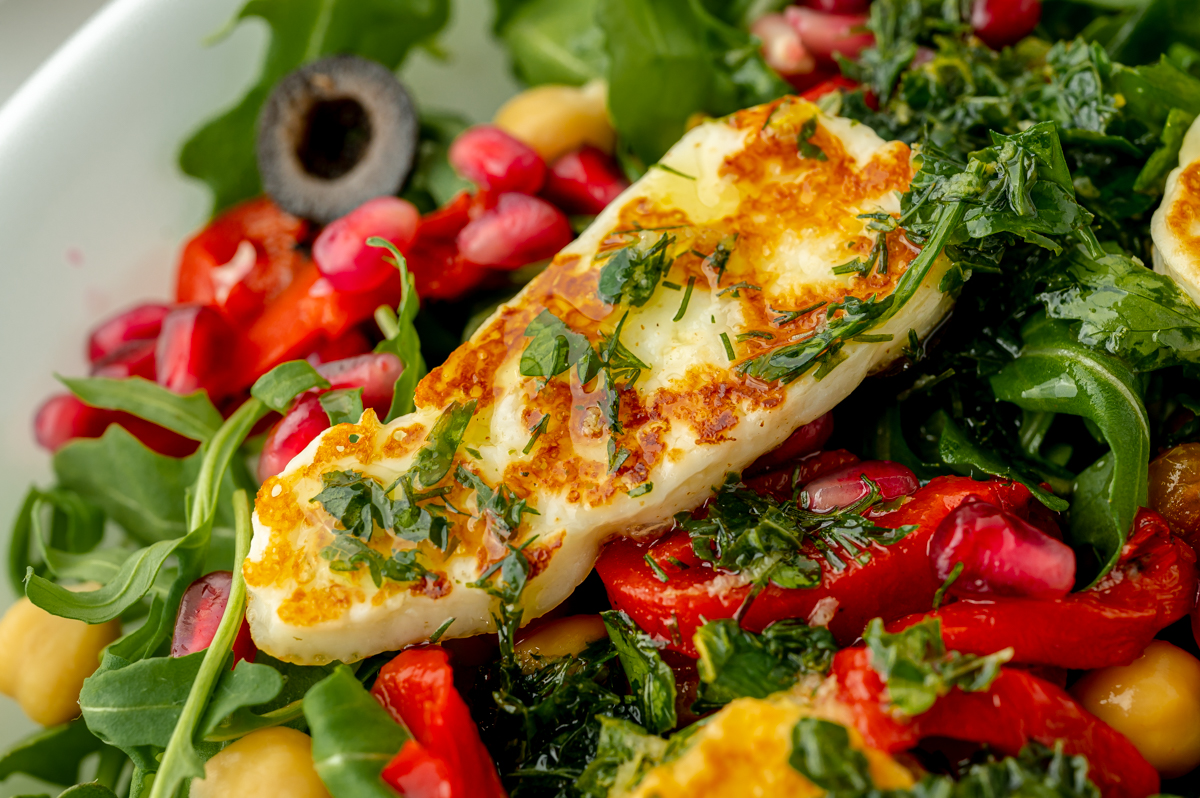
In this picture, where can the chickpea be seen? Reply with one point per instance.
(1155, 702)
(268, 763)
(44, 660)
(555, 119)
(557, 639)
(1175, 489)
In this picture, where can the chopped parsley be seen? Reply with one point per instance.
(671, 170)
(535, 432)
(789, 316)
(348, 553)
(500, 509)
(631, 275)
(718, 260)
(641, 490)
(804, 143)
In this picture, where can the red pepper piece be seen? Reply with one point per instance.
(211, 271)
(449, 760)
(1019, 707)
(1152, 586)
(896, 581)
(199, 615)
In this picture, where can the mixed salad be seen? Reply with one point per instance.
(771, 400)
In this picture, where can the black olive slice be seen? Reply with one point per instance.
(334, 134)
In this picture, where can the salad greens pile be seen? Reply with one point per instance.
(1064, 365)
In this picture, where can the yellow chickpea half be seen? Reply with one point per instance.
(268, 763)
(44, 660)
(554, 119)
(1155, 702)
(557, 639)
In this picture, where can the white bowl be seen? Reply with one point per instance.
(93, 209)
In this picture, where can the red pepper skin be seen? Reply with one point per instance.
(448, 759)
(1019, 707)
(896, 581)
(1152, 586)
(274, 234)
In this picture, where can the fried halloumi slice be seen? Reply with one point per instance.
(759, 222)
(745, 751)
(1175, 226)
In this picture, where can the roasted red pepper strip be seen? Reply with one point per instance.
(896, 581)
(1153, 585)
(1018, 708)
(445, 758)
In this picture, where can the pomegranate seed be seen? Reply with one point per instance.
(584, 181)
(64, 417)
(845, 486)
(1001, 554)
(519, 230)
(200, 612)
(781, 46)
(136, 324)
(1001, 23)
(494, 160)
(353, 343)
(825, 34)
(194, 342)
(133, 359)
(375, 373)
(299, 426)
(839, 6)
(341, 251)
(804, 441)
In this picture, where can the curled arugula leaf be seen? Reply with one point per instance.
(736, 663)
(343, 406)
(918, 669)
(400, 335)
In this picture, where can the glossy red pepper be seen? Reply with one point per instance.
(212, 271)
(445, 758)
(896, 581)
(1152, 586)
(801, 443)
(1019, 707)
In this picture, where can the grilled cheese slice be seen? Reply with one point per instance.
(1175, 226)
(756, 227)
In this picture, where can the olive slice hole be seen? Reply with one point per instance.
(336, 135)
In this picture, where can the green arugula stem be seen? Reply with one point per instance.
(180, 757)
(276, 717)
(222, 448)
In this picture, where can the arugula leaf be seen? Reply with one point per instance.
(550, 41)
(1151, 27)
(956, 449)
(222, 152)
(138, 704)
(918, 669)
(1153, 177)
(624, 754)
(631, 275)
(699, 63)
(821, 752)
(652, 681)
(400, 336)
(54, 754)
(434, 459)
(247, 685)
(74, 525)
(353, 737)
(1056, 373)
(899, 26)
(278, 387)
(343, 406)
(192, 416)
(181, 760)
(1126, 310)
(736, 663)
(1151, 91)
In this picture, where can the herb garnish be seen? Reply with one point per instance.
(631, 275)
(804, 143)
(687, 296)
